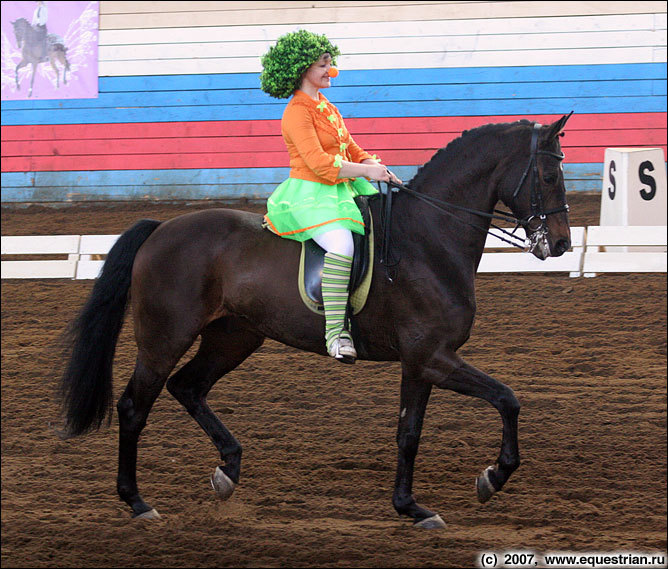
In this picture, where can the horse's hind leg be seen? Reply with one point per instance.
(133, 409)
(53, 64)
(414, 398)
(32, 78)
(225, 344)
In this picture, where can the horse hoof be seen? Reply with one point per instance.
(484, 485)
(150, 515)
(435, 522)
(222, 484)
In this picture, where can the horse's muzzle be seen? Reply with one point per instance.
(560, 247)
(539, 245)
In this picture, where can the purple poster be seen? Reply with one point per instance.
(49, 50)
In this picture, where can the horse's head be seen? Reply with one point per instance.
(21, 27)
(536, 193)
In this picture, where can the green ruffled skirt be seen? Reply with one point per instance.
(300, 209)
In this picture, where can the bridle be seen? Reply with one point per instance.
(536, 234)
(538, 211)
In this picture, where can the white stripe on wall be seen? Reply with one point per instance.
(395, 45)
(125, 15)
(390, 45)
(351, 30)
(398, 61)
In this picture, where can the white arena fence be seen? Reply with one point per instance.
(594, 250)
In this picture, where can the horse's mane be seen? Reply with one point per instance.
(467, 138)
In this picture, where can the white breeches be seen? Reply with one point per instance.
(339, 241)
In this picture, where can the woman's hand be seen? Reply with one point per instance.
(368, 168)
(394, 178)
(380, 172)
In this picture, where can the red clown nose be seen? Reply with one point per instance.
(333, 72)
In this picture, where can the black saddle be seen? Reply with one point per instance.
(314, 260)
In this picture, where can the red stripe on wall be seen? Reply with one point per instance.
(140, 130)
(248, 144)
(219, 145)
(227, 160)
(356, 126)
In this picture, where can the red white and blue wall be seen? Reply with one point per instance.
(180, 115)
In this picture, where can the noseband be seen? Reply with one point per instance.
(535, 233)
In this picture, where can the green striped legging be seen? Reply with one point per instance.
(335, 280)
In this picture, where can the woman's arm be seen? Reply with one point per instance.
(368, 168)
(298, 125)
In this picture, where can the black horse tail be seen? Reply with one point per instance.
(90, 340)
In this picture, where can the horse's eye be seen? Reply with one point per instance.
(550, 178)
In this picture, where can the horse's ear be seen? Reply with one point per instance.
(557, 127)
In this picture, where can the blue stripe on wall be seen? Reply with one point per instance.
(254, 183)
(468, 75)
(547, 106)
(362, 94)
(372, 94)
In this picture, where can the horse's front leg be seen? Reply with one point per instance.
(414, 398)
(456, 375)
(23, 63)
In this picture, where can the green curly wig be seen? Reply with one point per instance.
(285, 62)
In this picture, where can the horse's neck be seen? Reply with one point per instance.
(460, 182)
(21, 28)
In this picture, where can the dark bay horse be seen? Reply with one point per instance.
(217, 274)
(34, 53)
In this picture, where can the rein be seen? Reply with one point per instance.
(537, 210)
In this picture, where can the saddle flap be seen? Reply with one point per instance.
(313, 260)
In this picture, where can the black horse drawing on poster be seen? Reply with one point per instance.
(37, 46)
(55, 57)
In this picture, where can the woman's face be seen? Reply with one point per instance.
(317, 75)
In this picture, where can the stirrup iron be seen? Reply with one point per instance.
(343, 350)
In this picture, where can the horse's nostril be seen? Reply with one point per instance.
(561, 247)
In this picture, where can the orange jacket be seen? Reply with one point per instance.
(317, 139)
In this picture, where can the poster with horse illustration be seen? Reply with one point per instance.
(49, 50)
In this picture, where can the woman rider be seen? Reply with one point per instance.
(327, 171)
